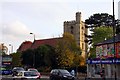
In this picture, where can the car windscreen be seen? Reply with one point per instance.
(33, 70)
(19, 69)
(30, 74)
(64, 72)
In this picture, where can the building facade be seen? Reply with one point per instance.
(77, 28)
(107, 58)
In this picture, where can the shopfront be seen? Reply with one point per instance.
(106, 59)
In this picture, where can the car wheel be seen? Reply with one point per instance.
(24, 79)
(61, 79)
(52, 79)
(73, 79)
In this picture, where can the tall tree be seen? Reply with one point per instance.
(98, 20)
(101, 27)
(66, 49)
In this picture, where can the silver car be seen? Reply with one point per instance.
(27, 75)
(16, 70)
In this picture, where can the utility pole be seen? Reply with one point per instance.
(114, 26)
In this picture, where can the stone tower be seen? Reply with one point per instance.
(77, 28)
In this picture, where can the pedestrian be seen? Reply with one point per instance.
(73, 73)
(103, 73)
(93, 71)
(88, 76)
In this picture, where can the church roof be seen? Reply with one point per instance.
(51, 42)
(24, 46)
(29, 45)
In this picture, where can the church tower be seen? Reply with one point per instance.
(77, 28)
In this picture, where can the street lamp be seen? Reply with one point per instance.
(33, 51)
(33, 35)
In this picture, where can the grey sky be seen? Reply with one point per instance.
(44, 17)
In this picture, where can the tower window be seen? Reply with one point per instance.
(82, 28)
(71, 29)
(82, 45)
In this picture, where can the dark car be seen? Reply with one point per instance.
(4, 71)
(16, 70)
(60, 74)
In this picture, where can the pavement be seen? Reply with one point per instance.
(9, 77)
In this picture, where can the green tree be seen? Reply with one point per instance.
(45, 56)
(78, 60)
(98, 20)
(66, 49)
(102, 33)
(99, 35)
(27, 57)
(40, 55)
(101, 27)
(16, 59)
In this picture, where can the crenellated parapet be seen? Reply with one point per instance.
(73, 22)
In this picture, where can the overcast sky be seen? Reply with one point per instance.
(44, 18)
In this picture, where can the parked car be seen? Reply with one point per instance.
(27, 75)
(16, 70)
(35, 70)
(4, 71)
(60, 74)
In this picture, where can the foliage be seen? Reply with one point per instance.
(99, 35)
(78, 60)
(27, 57)
(16, 59)
(99, 19)
(93, 52)
(44, 56)
(66, 50)
(117, 26)
(101, 27)
(102, 33)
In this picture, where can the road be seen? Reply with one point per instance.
(9, 77)
(43, 77)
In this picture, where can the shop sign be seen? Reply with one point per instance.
(105, 61)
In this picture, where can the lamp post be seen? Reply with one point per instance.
(33, 52)
(114, 26)
(33, 35)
